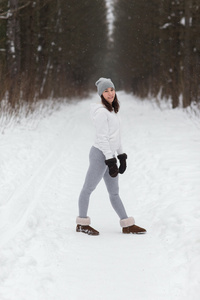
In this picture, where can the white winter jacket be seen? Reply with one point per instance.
(107, 125)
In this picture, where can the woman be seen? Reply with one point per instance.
(103, 163)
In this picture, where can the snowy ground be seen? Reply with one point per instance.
(41, 174)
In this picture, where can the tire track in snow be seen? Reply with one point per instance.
(26, 197)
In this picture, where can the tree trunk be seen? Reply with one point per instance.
(14, 50)
(187, 77)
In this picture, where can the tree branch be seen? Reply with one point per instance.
(6, 14)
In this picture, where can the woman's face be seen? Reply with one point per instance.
(109, 95)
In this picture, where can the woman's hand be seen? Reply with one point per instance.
(112, 165)
(122, 158)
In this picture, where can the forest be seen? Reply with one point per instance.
(58, 48)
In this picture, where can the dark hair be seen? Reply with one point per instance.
(114, 106)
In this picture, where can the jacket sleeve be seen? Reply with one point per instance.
(102, 133)
(120, 149)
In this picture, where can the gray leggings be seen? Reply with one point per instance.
(98, 170)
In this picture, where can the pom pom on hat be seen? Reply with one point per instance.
(102, 84)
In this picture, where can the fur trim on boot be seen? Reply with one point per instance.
(127, 222)
(83, 221)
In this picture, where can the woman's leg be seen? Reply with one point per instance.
(113, 190)
(94, 175)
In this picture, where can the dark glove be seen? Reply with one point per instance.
(112, 165)
(122, 158)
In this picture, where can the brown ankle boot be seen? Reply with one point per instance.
(86, 229)
(133, 229)
(83, 226)
(128, 226)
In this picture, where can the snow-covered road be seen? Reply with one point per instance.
(42, 172)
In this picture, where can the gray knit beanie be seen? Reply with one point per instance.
(103, 84)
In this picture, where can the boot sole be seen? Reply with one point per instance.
(88, 233)
(134, 232)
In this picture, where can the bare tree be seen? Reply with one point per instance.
(187, 54)
(13, 50)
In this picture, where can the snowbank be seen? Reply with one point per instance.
(42, 171)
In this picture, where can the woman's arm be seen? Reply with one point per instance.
(102, 133)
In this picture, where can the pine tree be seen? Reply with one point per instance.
(135, 44)
(60, 47)
(156, 48)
